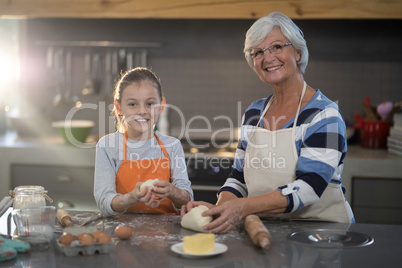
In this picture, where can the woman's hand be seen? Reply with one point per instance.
(145, 196)
(186, 208)
(227, 215)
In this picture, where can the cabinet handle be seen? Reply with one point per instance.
(205, 188)
(64, 178)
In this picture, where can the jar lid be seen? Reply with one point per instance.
(29, 189)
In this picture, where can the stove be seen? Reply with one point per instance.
(208, 147)
(208, 166)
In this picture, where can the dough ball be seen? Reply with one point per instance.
(193, 220)
(149, 183)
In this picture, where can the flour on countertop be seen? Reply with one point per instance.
(157, 231)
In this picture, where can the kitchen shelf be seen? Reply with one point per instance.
(197, 9)
(98, 44)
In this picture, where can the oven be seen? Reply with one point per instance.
(208, 168)
(207, 173)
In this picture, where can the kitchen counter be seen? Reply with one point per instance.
(153, 236)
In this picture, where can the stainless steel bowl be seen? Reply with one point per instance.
(325, 238)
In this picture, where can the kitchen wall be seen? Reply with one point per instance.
(203, 70)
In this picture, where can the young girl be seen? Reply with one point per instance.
(134, 154)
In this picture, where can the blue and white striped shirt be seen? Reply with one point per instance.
(320, 139)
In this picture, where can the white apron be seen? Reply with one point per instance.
(271, 161)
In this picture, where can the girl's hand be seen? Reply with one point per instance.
(145, 196)
(228, 215)
(162, 189)
(186, 208)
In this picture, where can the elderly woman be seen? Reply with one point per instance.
(290, 156)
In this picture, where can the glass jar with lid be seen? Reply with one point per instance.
(29, 196)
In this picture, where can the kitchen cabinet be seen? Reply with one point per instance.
(69, 187)
(370, 178)
(200, 9)
(377, 200)
(369, 163)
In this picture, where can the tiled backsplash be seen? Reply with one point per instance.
(204, 73)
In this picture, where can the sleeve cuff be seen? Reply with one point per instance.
(288, 191)
(110, 211)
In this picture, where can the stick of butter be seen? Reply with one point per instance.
(199, 243)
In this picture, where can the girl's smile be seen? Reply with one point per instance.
(141, 120)
(140, 106)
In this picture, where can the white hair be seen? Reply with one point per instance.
(263, 26)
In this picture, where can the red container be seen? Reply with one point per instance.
(374, 134)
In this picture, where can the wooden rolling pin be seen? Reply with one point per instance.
(257, 231)
(64, 218)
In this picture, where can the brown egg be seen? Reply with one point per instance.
(66, 239)
(97, 233)
(123, 232)
(104, 238)
(86, 239)
(81, 235)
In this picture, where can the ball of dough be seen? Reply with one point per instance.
(149, 183)
(193, 220)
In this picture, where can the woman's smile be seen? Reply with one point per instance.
(271, 69)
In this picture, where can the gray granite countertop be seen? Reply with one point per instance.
(150, 246)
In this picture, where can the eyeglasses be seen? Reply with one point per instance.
(257, 53)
